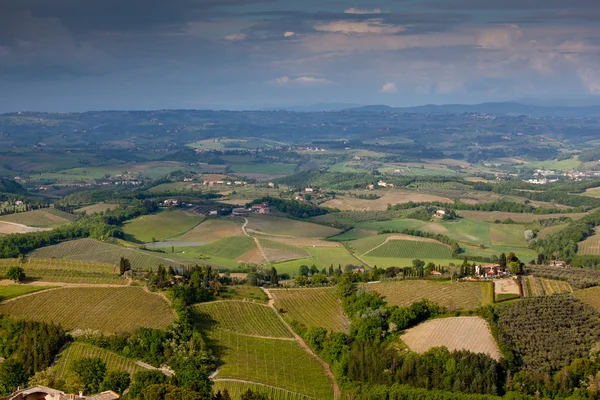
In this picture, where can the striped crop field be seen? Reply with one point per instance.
(591, 245)
(270, 225)
(66, 271)
(312, 307)
(236, 389)
(77, 350)
(105, 309)
(44, 218)
(242, 317)
(96, 251)
(534, 286)
(228, 247)
(278, 252)
(451, 295)
(160, 226)
(590, 296)
(274, 362)
(411, 249)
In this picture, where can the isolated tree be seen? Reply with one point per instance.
(91, 371)
(314, 269)
(502, 260)
(516, 268)
(16, 273)
(274, 278)
(304, 270)
(124, 265)
(541, 258)
(117, 381)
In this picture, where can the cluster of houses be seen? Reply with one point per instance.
(225, 183)
(489, 270)
(380, 184)
(262, 208)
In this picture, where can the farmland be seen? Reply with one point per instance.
(458, 333)
(104, 309)
(96, 208)
(451, 295)
(77, 350)
(275, 362)
(12, 291)
(534, 286)
(45, 218)
(410, 249)
(236, 389)
(590, 296)
(348, 203)
(277, 251)
(591, 245)
(505, 289)
(228, 247)
(288, 227)
(322, 257)
(67, 271)
(214, 229)
(312, 307)
(242, 317)
(491, 216)
(95, 251)
(160, 226)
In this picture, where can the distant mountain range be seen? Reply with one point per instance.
(549, 109)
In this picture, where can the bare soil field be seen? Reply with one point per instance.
(253, 256)
(491, 216)
(346, 203)
(506, 286)
(534, 286)
(458, 333)
(6, 228)
(214, 229)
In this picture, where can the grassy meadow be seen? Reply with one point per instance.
(160, 226)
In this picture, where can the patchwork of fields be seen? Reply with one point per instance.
(44, 218)
(111, 309)
(534, 286)
(451, 295)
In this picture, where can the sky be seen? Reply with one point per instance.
(77, 55)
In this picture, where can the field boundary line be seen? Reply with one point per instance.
(29, 294)
(257, 336)
(261, 384)
(260, 248)
(327, 369)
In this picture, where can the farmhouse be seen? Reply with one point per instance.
(558, 263)
(309, 190)
(42, 392)
(488, 270)
(240, 212)
(170, 202)
(440, 213)
(262, 208)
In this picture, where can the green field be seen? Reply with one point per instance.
(45, 218)
(411, 249)
(105, 309)
(353, 234)
(160, 226)
(242, 317)
(275, 362)
(95, 251)
(277, 252)
(562, 165)
(322, 257)
(228, 247)
(451, 295)
(264, 169)
(236, 389)
(270, 225)
(12, 291)
(96, 208)
(77, 350)
(507, 235)
(312, 307)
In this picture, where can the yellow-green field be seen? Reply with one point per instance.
(111, 309)
(96, 208)
(77, 350)
(242, 317)
(275, 362)
(451, 295)
(270, 225)
(45, 218)
(591, 245)
(237, 389)
(214, 229)
(312, 307)
(12, 291)
(160, 226)
(590, 296)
